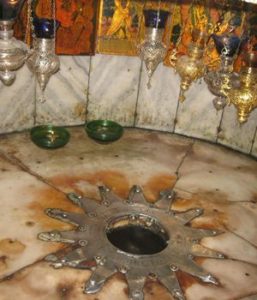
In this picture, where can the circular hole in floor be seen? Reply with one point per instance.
(140, 234)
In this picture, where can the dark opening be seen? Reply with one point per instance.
(136, 239)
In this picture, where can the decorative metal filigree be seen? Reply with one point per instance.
(191, 67)
(220, 82)
(244, 97)
(12, 52)
(114, 235)
(152, 51)
(43, 61)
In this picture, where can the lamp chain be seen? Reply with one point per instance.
(29, 22)
(54, 19)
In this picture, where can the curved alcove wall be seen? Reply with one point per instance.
(115, 87)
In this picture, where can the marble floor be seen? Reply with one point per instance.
(222, 182)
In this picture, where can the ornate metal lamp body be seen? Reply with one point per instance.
(12, 52)
(152, 50)
(191, 67)
(43, 61)
(221, 81)
(245, 96)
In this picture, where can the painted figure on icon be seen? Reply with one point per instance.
(121, 20)
(75, 34)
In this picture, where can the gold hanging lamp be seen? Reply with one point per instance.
(244, 98)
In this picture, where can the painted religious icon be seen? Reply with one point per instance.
(76, 23)
(118, 26)
(121, 25)
(209, 19)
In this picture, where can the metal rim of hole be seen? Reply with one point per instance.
(139, 235)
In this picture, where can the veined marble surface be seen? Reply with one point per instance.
(20, 247)
(203, 169)
(17, 104)
(254, 148)
(90, 167)
(157, 105)
(220, 181)
(66, 93)
(235, 135)
(113, 88)
(196, 116)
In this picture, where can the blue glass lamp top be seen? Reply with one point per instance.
(9, 9)
(227, 44)
(44, 28)
(155, 18)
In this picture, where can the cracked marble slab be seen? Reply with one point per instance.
(83, 164)
(21, 210)
(33, 179)
(211, 169)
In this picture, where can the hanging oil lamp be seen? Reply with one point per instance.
(12, 51)
(43, 61)
(224, 79)
(190, 67)
(152, 50)
(244, 97)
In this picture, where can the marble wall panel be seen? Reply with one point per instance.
(235, 135)
(196, 116)
(254, 148)
(17, 103)
(66, 93)
(114, 88)
(157, 106)
(106, 86)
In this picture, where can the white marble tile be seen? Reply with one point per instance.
(82, 164)
(157, 106)
(232, 218)
(19, 245)
(42, 282)
(216, 170)
(66, 93)
(237, 280)
(17, 102)
(150, 159)
(234, 135)
(113, 88)
(197, 116)
(232, 246)
(243, 217)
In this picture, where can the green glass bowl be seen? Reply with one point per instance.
(104, 131)
(49, 137)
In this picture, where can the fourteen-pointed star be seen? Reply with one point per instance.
(133, 237)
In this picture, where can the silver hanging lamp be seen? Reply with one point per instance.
(13, 52)
(152, 50)
(42, 60)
